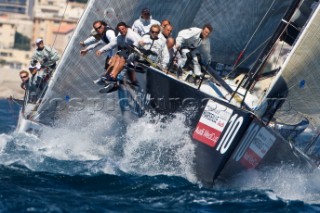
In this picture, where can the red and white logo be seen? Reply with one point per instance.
(259, 147)
(212, 123)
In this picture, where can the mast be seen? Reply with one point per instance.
(257, 67)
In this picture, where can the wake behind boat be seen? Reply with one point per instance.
(228, 120)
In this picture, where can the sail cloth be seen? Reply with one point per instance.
(238, 25)
(301, 76)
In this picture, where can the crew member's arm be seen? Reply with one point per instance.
(165, 57)
(113, 43)
(184, 35)
(54, 56)
(34, 59)
(90, 47)
(110, 36)
(90, 40)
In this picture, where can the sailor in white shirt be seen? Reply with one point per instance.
(195, 41)
(166, 32)
(104, 34)
(143, 24)
(125, 38)
(173, 53)
(45, 55)
(125, 41)
(156, 47)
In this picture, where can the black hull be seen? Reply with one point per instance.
(228, 140)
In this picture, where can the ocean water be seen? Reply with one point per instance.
(93, 164)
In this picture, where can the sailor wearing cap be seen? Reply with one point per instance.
(35, 84)
(39, 40)
(44, 55)
(143, 24)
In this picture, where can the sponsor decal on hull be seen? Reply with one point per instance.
(259, 147)
(212, 123)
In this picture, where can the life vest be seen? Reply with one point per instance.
(104, 37)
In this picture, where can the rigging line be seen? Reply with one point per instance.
(50, 75)
(55, 38)
(54, 41)
(233, 70)
(269, 53)
(183, 10)
(243, 79)
(74, 29)
(249, 56)
(263, 59)
(254, 33)
(64, 12)
(266, 58)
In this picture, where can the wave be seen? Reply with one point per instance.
(98, 145)
(82, 144)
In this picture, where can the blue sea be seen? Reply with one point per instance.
(89, 164)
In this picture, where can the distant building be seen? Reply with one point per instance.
(15, 59)
(9, 25)
(7, 32)
(17, 6)
(50, 16)
(24, 25)
(63, 35)
(52, 20)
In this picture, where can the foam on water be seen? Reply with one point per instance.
(88, 144)
(159, 147)
(4, 138)
(98, 144)
(285, 182)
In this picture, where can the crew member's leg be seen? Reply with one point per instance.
(183, 59)
(113, 60)
(118, 66)
(195, 61)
